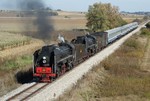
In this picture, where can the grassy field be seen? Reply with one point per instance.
(119, 77)
(14, 64)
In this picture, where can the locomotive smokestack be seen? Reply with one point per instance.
(43, 20)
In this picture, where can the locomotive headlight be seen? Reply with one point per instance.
(44, 57)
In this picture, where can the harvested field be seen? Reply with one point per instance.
(70, 23)
(27, 24)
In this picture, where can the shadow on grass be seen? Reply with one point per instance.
(24, 76)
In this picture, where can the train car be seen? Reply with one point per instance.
(52, 61)
(114, 34)
(129, 27)
(84, 46)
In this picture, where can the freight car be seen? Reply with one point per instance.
(54, 60)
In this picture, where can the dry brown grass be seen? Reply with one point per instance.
(83, 91)
(8, 83)
(126, 77)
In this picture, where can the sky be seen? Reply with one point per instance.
(82, 5)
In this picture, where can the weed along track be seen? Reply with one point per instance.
(28, 92)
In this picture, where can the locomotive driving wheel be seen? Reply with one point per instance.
(58, 72)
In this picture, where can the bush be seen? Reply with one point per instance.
(145, 31)
(148, 25)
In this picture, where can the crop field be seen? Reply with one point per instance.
(8, 40)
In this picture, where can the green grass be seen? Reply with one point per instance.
(19, 62)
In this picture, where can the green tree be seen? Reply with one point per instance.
(102, 17)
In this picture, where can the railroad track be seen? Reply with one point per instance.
(28, 92)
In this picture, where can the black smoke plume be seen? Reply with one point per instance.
(43, 21)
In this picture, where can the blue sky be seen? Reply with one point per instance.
(82, 5)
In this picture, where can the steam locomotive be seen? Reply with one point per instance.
(52, 61)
